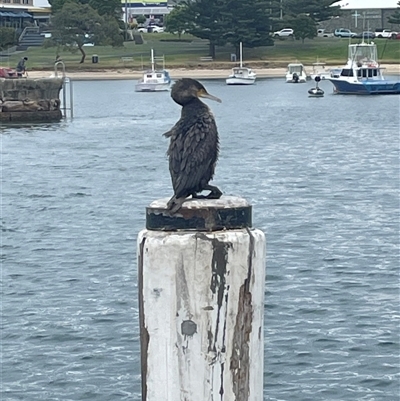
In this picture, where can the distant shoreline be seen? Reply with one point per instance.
(176, 73)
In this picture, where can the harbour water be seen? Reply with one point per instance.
(323, 177)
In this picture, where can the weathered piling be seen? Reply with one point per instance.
(201, 299)
(29, 100)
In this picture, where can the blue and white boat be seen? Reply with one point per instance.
(362, 75)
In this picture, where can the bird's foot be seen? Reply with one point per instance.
(215, 192)
(197, 196)
(174, 204)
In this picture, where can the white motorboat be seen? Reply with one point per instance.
(296, 73)
(241, 75)
(154, 80)
(319, 70)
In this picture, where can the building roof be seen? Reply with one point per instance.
(149, 10)
(23, 7)
(366, 4)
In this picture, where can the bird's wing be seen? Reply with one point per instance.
(193, 152)
(171, 132)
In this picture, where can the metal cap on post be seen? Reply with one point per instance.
(226, 213)
(201, 299)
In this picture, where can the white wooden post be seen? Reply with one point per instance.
(201, 299)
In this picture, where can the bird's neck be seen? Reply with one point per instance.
(194, 106)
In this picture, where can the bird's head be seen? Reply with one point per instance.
(186, 89)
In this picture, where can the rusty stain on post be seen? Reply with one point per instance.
(218, 284)
(144, 334)
(240, 361)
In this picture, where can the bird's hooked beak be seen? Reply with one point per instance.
(204, 94)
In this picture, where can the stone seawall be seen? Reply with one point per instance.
(26, 100)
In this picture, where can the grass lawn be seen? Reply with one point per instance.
(186, 53)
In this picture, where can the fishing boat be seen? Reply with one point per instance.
(296, 73)
(362, 74)
(319, 70)
(154, 80)
(241, 75)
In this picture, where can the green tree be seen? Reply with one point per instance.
(395, 17)
(318, 10)
(177, 20)
(247, 22)
(75, 23)
(112, 8)
(7, 37)
(141, 19)
(303, 27)
(57, 5)
(103, 7)
(204, 20)
(228, 21)
(110, 33)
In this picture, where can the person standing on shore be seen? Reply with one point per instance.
(21, 69)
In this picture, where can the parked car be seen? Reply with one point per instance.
(151, 29)
(344, 33)
(155, 29)
(323, 34)
(366, 35)
(287, 32)
(385, 33)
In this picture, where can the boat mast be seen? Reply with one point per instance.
(240, 51)
(152, 59)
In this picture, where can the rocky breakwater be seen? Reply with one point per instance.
(29, 100)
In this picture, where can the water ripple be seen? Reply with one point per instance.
(323, 177)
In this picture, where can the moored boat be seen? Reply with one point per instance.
(154, 80)
(320, 71)
(241, 75)
(296, 73)
(362, 74)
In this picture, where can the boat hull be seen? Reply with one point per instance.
(378, 87)
(240, 81)
(150, 87)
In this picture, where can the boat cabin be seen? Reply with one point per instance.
(295, 68)
(362, 72)
(154, 76)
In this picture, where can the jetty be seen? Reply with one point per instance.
(30, 100)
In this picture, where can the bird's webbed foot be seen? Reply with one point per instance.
(215, 192)
(174, 204)
(195, 195)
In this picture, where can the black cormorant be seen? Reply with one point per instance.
(194, 145)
